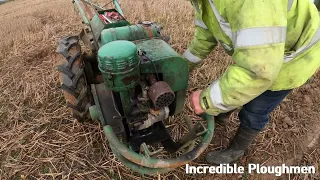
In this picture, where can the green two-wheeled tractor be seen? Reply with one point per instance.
(131, 81)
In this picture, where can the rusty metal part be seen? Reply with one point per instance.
(161, 94)
(156, 117)
(144, 89)
(190, 138)
(87, 38)
(89, 11)
(138, 168)
(160, 164)
(145, 150)
(151, 79)
(107, 108)
(192, 133)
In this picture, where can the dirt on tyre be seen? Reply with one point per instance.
(73, 80)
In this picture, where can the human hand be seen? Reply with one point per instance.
(195, 102)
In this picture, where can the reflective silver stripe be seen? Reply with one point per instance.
(196, 6)
(225, 26)
(290, 2)
(226, 46)
(200, 23)
(216, 97)
(303, 49)
(190, 57)
(259, 36)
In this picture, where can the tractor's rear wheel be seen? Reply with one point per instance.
(73, 79)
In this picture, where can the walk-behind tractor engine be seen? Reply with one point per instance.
(131, 81)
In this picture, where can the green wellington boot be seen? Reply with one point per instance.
(239, 144)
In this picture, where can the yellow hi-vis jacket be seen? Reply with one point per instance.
(274, 45)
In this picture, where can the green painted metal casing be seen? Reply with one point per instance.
(129, 33)
(121, 68)
(169, 65)
(119, 65)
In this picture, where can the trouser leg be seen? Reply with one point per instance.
(256, 113)
(253, 118)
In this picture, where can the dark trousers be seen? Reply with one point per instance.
(255, 114)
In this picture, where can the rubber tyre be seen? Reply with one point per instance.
(73, 78)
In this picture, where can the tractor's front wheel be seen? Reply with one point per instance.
(73, 79)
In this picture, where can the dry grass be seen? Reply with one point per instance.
(39, 139)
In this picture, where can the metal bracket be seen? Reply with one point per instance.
(144, 148)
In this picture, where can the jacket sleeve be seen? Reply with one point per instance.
(258, 37)
(203, 41)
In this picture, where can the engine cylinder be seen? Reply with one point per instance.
(120, 65)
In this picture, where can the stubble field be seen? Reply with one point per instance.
(40, 140)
